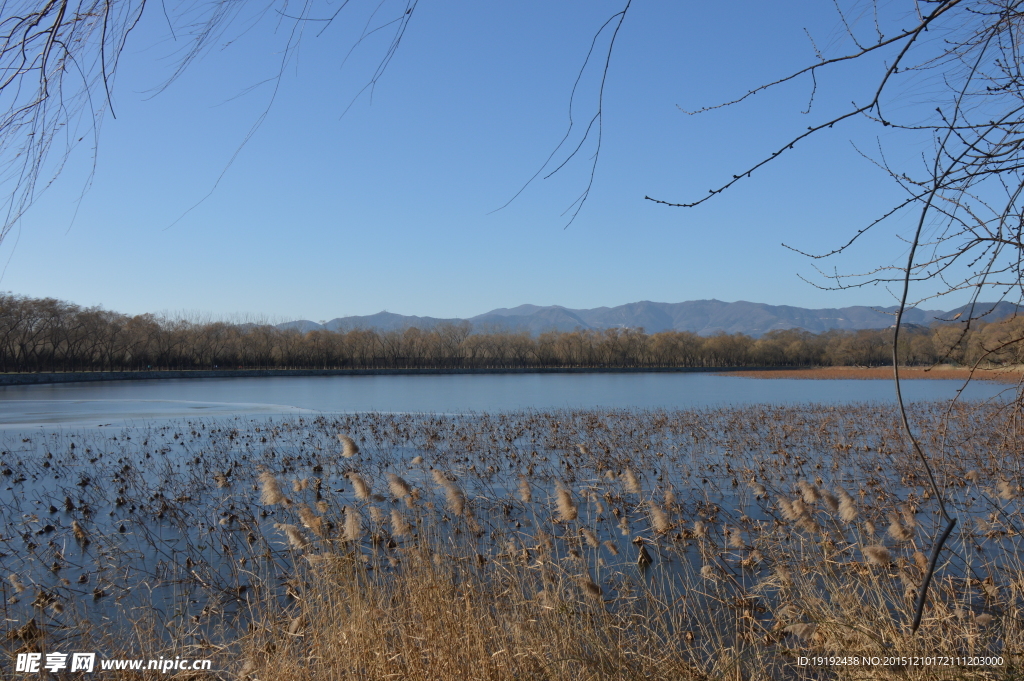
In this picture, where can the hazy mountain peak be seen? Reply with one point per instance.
(704, 317)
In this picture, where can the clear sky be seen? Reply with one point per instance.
(392, 207)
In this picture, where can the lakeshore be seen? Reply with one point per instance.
(942, 372)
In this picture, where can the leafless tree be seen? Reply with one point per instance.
(59, 59)
(965, 195)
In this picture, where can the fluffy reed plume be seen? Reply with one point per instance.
(1005, 491)
(583, 449)
(359, 486)
(984, 619)
(659, 519)
(399, 488)
(222, 480)
(847, 506)
(708, 572)
(567, 510)
(973, 476)
(803, 631)
(624, 525)
(808, 524)
(897, 530)
(783, 575)
(295, 538)
(735, 538)
(590, 537)
(525, 493)
(353, 529)
(759, 491)
(808, 491)
(921, 561)
(453, 494)
(670, 497)
(831, 503)
(16, 584)
(632, 484)
(271, 493)
(787, 509)
(800, 508)
(79, 532)
(590, 587)
(416, 460)
(547, 599)
(877, 554)
(311, 521)
(349, 448)
(377, 516)
(400, 527)
(610, 474)
(299, 484)
(869, 527)
(700, 529)
(322, 506)
(612, 548)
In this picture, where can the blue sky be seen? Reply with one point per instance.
(392, 207)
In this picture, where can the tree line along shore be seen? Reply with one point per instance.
(49, 335)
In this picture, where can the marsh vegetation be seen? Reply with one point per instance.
(564, 545)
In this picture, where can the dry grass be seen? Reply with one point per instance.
(1007, 375)
(750, 539)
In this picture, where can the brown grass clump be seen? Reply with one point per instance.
(659, 519)
(758, 489)
(400, 527)
(271, 493)
(898, 531)
(454, 495)
(295, 538)
(808, 491)
(353, 531)
(1005, 490)
(567, 509)
(398, 487)
(15, 583)
(632, 484)
(877, 554)
(311, 521)
(1009, 375)
(590, 588)
(360, 487)
(525, 493)
(847, 506)
(349, 448)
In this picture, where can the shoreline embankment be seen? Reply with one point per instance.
(1013, 375)
(90, 376)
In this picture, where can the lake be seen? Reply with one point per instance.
(191, 517)
(128, 402)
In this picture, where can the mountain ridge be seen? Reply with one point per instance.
(703, 317)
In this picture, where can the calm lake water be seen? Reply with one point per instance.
(129, 402)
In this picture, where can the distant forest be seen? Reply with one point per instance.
(52, 335)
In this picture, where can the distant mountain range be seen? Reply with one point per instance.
(704, 317)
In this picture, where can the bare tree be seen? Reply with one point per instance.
(59, 59)
(965, 195)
